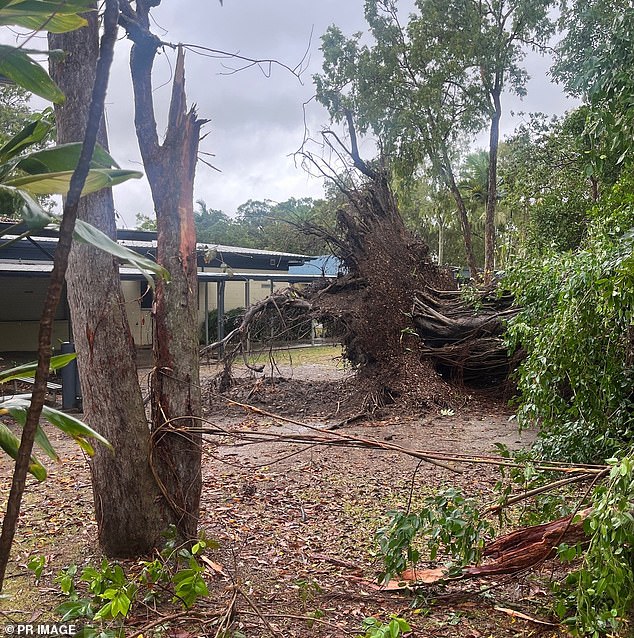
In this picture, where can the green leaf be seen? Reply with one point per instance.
(42, 22)
(68, 424)
(32, 214)
(19, 67)
(72, 609)
(90, 235)
(43, 442)
(59, 182)
(33, 133)
(62, 7)
(63, 157)
(40, 437)
(28, 369)
(10, 444)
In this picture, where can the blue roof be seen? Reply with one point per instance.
(323, 265)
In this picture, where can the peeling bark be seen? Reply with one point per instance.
(170, 168)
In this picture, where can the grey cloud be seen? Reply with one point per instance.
(255, 121)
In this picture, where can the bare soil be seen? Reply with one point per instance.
(296, 524)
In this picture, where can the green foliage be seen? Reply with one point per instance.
(213, 226)
(17, 63)
(376, 629)
(575, 327)
(542, 508)
(268, 225)
(27, 370)
(36, 564)
(24, 174)
(66, 423)
(109, 595)
(595, 60)
(450, 524)
(545, 167)
(14, 110)
(88, 234)
(600, 593)
(232, 319)
(49, 171)
(143, 222)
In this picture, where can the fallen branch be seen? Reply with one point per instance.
(494, 509)
(326, 437)
(361, 442)
(518, 614)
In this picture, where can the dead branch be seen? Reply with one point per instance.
(585, 476)
(264, 64)
(324, 436)
(369, 442)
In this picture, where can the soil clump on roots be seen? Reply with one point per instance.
(407, 332)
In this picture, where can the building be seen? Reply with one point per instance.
(229, 277)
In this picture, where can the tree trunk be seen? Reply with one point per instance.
(441, 240)
(170, 168)
(464, 223)
(127, 507)
(492, 193)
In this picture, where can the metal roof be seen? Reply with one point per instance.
(147, 239)
(43, 269)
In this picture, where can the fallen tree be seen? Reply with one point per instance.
(404, 325)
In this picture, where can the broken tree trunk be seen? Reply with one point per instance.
(527, 547)
(515, 552)
(170, 168)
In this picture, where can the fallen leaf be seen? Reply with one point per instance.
(518, 614)
(215, 567)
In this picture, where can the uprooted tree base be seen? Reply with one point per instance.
(411, 335)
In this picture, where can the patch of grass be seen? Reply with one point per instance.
(321, 355)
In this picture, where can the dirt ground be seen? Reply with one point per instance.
(295, 523)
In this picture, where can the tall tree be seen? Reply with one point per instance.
(113, 404)
(397, 91)
(595, 61)
(500, 34)
(426, 86)
(170, 169)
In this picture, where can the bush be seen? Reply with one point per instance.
(576, 327)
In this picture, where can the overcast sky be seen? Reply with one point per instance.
(256, 122)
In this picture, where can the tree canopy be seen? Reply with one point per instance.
(425, 87)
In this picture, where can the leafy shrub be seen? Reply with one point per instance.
(109, 595)
(576, 327)
(600, 592)
(450, 523)
(394, 629)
